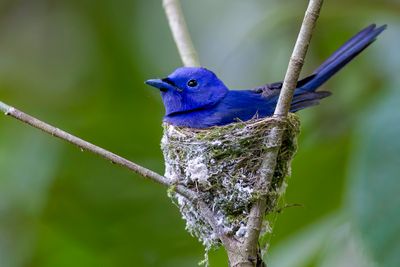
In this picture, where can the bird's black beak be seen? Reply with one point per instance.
(159, 84)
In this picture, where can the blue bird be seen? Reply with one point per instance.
(195, 97)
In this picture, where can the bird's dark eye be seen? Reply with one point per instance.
(192, 83)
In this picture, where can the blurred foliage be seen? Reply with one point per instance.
(81, 65)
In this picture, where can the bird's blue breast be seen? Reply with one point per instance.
(235, 106)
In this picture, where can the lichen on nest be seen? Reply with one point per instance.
(222, 164)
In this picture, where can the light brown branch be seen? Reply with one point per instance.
(257, 212)
(84, 145)
(118, 160)
(267, 169)
(297, 59)
(180, 32)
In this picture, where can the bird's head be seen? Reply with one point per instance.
(189, 88)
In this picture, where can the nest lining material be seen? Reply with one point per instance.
(222, 164)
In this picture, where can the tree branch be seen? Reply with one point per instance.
(192, 196)
(84, 145)
(295, 65)
(180, 33)
(297, 59)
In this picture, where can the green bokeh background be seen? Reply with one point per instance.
(80, 65)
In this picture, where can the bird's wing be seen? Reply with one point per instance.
(271, 89)
(301, 98)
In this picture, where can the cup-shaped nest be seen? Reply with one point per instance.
(224, 165)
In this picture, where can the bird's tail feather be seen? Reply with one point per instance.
(307, 99)
(306, 94)
(342, 56)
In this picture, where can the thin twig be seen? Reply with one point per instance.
(180, 32)
(84, 145)
(297, 59)
(267, 170)
(118, 160)
(281, 110)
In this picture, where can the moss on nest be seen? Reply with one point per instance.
(223, 165)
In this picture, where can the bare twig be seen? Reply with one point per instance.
(267, 169)
(84, 145)
(180, 33)
(283, 106)
(297, 59)
(118, 160)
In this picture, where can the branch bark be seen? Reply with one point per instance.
(192, 196)
(84, 145)
(297, 59)
(250, 247)
(180, 32)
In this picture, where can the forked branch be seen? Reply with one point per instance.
(240, 254)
